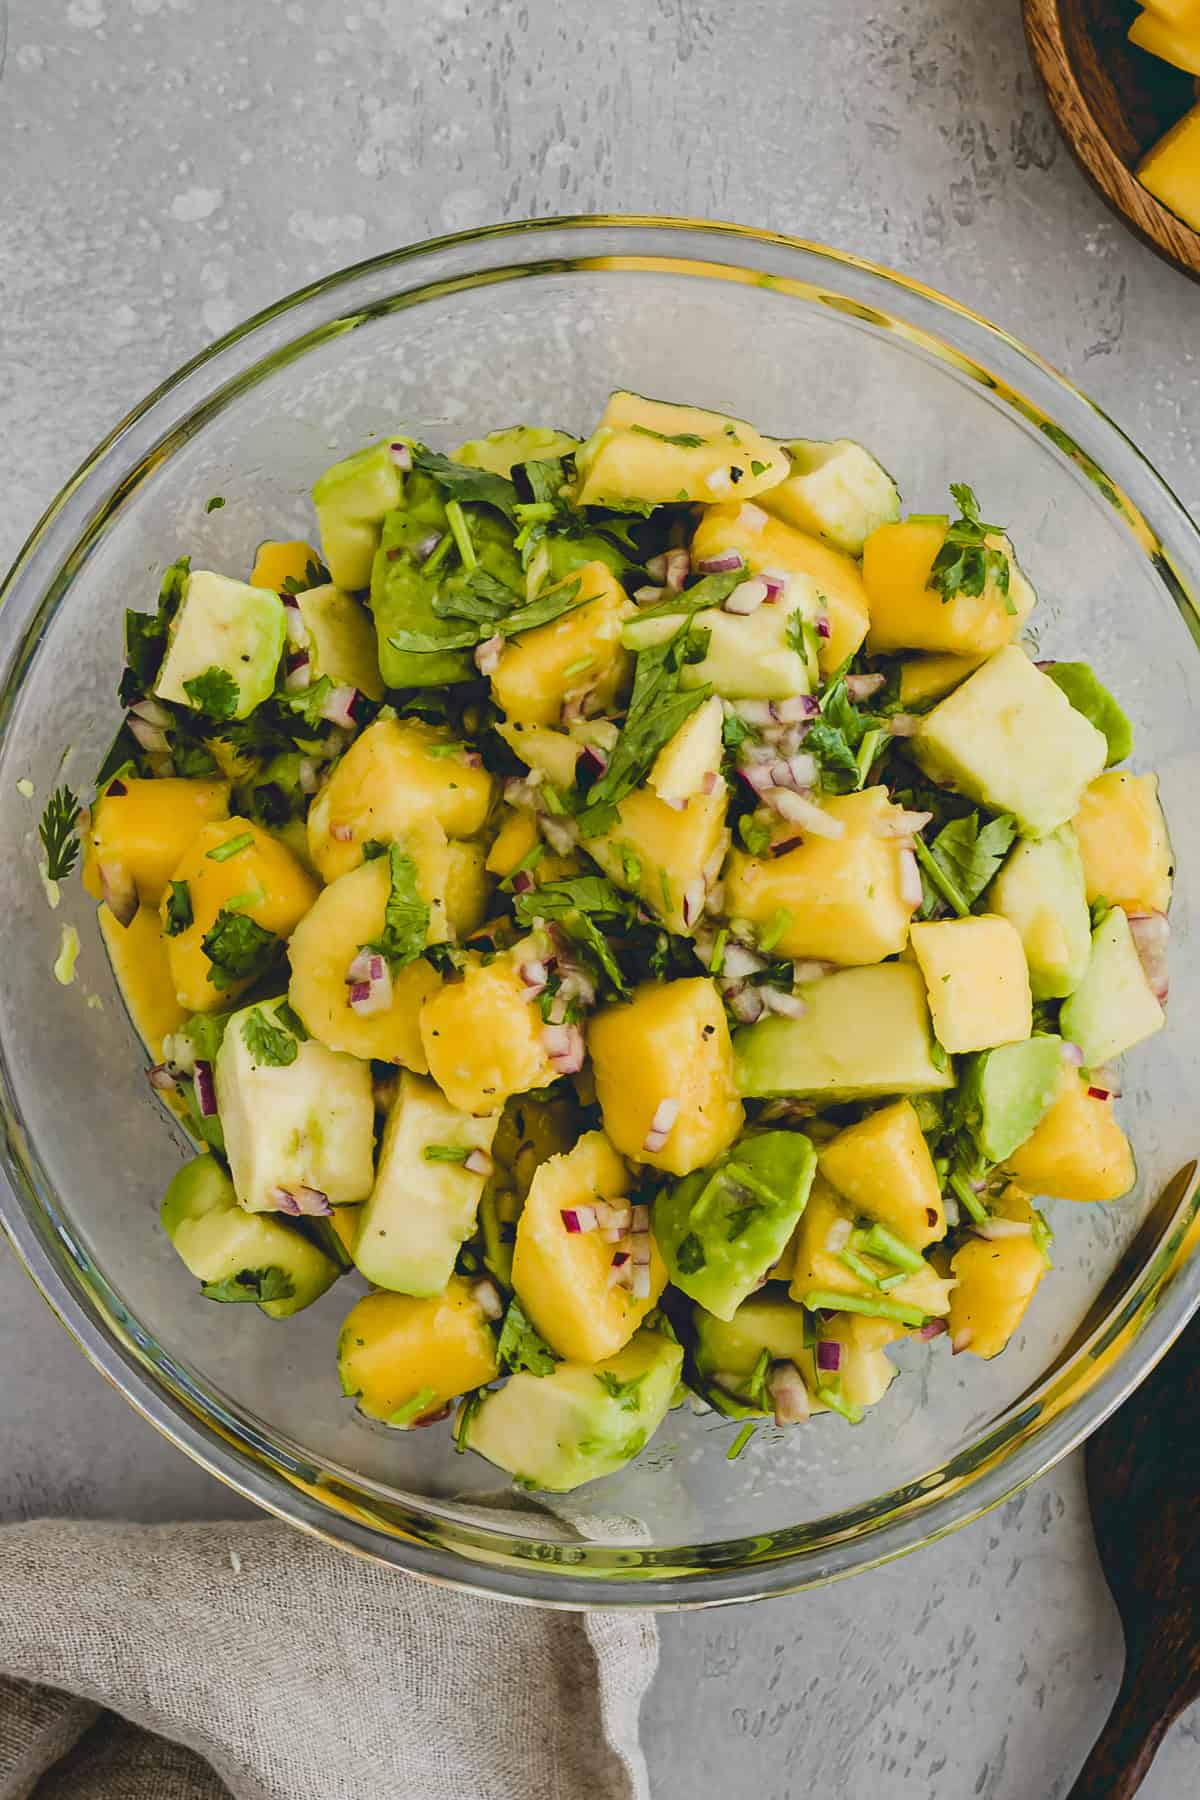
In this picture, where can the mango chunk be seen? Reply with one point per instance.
(279, 560)
(883, 1168)
(995, 1281)
(142, 828)
(662, 853)
(138, 953)
(1078, 1151)
(656, 452)
(978, 981)
(1124, 844)
(1175, 44)
(483, 1038)
(578, 654)
(907, 614)
(404, 1359)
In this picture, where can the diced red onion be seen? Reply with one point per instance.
(788, 1006)
(714, 903)
(338, 707)
(746, 1004)
(911, 891)
(301, 1202)
(562, 835)
(904, 724)
(401, 455)
(1099, 1093)
(162, 1079)
(802, 771)
(754, 712)
(479, 1163)
(578, 1218)
(740, 962)
(678, 568)
(758, 777)
(1046, 662)
(306, 775)
(293, 622)
(648, 596)
(535, 974)
(862, 687)
(747, 597)
(639, 1243)
(799, 811)
(150, 737)
(794, 709)
(810, 970)
(152, 713)
(709, 780)
(522, 881)
(119, 891)
(299, 672)
(824, 628)
(656, 567)
(661, 1126)
(838, 1236)
(693, 902)
(487, 1296)
(961, 1341)
(613, 1216)
(640, 1284)
(788, 1394)
(995, 1229)
(896, 823)
(594, 757)
(424, 548)
(206, 1091)
(829, 1355)
(775, 582)
(620, 1271)
(1072, 1053)
(487, 654)
(1106, 1083)
(341, 834)
(950, 1209)
(370, 985)
(1151, 934)
(723, 563)
(564, 1048)
(930, 1329)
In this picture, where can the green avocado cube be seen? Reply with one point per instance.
(253, 1258)
(1041, 891)
(224, 647)
(1113, 1007)
(1005, 1092)
(721, 1228)
(352, 499)
(1089, 696)
(1010, 739)
(501, 451)
(581, 1421)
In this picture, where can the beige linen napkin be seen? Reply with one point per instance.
(191, 1662)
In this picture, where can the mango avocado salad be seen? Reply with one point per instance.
(638, 905)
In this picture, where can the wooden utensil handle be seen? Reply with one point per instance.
(1142, 1713)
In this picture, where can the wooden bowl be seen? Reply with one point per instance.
(1112, 102)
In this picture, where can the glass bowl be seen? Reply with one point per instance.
(447, 340)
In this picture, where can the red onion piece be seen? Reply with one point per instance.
(150, 737)
(371, 992)
(1151, 932)
(293, 623)
(640, 1284)
(152, 713)
(1106, 1083)
(620, 1270)
(795, 709)
(564, 1048)
(746, 598)
(162, 1079)
(306, 775)
(206, 1091)
(661, 1126)
(754, 712)
(799, 811)
(115, 790)
(810, 970)
(578, 1218)
(930, 1329)
(301, 1202)
(299, 672)
(862, 687)
(678, 568)
(338, 707)
(723, 563)
(788, 1394)
(522, 881)
(479, 1163)
(120, 893)
(693, 902)
(829, 1355)
(911, 891)
(775, 581)
(424, 548)
(709, 780)
(562, 835)
(824, 628)
(401, 455)
(788, 1006)
(535, 974)
(746, 1005)
(487, 1296)
(656, 567)
(594, 758)
(740, 962)
(639, 1219)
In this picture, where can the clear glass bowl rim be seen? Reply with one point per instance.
(1141, 1314)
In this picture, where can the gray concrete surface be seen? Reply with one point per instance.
(168, 166)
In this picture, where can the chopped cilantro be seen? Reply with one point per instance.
(690, 1254)
(239, 949)
(179, 909)
(406, 916)
(267, 1042)
(257, 1285)
(291, 1020)
(457, 521)
(231, 847)
(966, 562)
(545, 609)
(966, 855)
(215, 504)
(756, 467)
(214, 693)
(836, 1402)
(520, 1346)
(755, 834)
(146, 634)
(682, 440)
(421, 1402)
(373, 847)
(770, 935)
(464, 484)
(627, 1392)
(657, 709)
(60, 840)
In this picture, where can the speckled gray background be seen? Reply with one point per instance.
(168, 166)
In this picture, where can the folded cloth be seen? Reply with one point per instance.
(192, 1662)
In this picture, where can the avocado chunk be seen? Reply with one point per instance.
(352, 499)
(427, 611)
(1113, 1007)
(1011, 739)
(224, 646)
(734, 1346)
(721, 1228)
(240, 1256)
(341, 640)
(500, 451)
(580, 1422)
(1089, 696)
(750, 656)
(836, 491)
(296, 1115)
(1005, 1093)
(865, 1033)
(424, 1200)
(1040, 891)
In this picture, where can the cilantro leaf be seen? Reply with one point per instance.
(834, 739)
(971, 854)
(406, 916)
(251, 1284)
(179, 909)
(239, 949)
(545, 609)
(966, 561)
(267, 1042)
(657, 709)
(683, 440)
(214, 693)
(60, 840)
(315, 575)
(146, 634)
(584, 894)
(627, 1392)
(463, 483)
(520, 1346)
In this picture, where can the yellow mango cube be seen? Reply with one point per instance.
(405, 1358)
(143, 830)
(138, 954)
(397, 773)
(346, 915)
(483, 1037)
(670, 1043)
(816, 1267)
(1178, 45)
(1123, 842)
(882, 1167)
(995, 1281)
(466, 889)
(260, 876)
(1078, 1151)
(841, 899)
(280, 560)
(907, 614)
(1171, 171)
(978, 981)
(655, 451)
(767, 543)
(661, 853)
(924, 679)
(517, 836)
(562, 1277)
(580, 653)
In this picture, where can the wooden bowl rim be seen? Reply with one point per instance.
(1154, 223)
